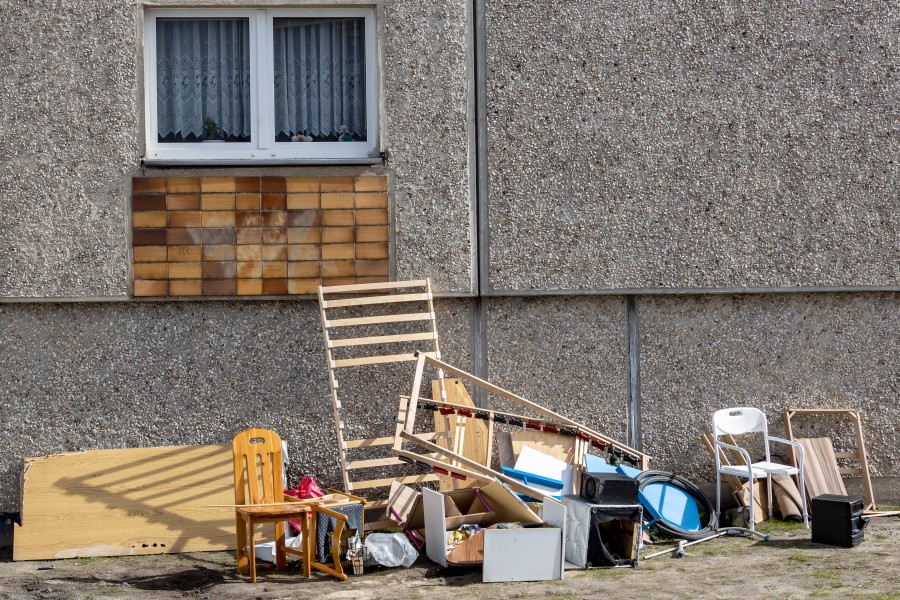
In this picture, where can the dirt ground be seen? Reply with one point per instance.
(787, 566)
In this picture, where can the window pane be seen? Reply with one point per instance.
(320, 79)
(203, 80)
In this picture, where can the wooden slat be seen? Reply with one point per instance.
(374, 462)
(372, 360)
(128, 501)
(382, 339)
(368, 287)
(820, 468)
(374, 483)
(387, 441)
(847, 455)
(369, 300)
(380, 319)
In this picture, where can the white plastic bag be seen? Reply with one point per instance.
(391, 549)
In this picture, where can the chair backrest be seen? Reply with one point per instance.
(742, 419)
(258, 467)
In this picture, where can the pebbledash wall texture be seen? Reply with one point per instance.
(633, 213)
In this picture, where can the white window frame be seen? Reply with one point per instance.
(262, 147)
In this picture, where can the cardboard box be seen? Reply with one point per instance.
(526, 554)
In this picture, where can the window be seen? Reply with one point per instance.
(260, 85)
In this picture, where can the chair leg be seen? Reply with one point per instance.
(803, 498)
(251, 550)
(241, 542)
(752, 505)
(718, 496)
(280, 558)
(305, 531)
(769, 488)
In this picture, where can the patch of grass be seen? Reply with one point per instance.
(776, 526)
(819, 593)
(825, 574)
(799, 557)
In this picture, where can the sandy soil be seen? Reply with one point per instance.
(787, 566)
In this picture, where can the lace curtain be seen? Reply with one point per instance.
(203, 71)
(320, 78)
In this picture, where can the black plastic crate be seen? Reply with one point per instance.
(837, 520)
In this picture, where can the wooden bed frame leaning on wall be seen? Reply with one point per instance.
(446, 461)
(348, 313)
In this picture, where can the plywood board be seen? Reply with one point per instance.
(820, 468)
(126, 502)
(558, 446)
(468, 437)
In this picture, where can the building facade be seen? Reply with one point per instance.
(633, 214)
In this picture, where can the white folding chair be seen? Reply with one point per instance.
(737, 421)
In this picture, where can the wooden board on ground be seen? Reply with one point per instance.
(820, 468)
(126, 502)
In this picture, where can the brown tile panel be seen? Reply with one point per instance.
(303, 201)
(183, 185)
(273, 201)
(183, 201)
(185, 287)
(143, 287)
(245, 235)
(246, 184)
(257, 236)
(141, 202)
(148, 237)
(219, 287)
(148, 185)
(145, 254)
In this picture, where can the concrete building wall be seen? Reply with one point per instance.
(684, 145)
(773, 352)
(71, 138)
(85, 376)
(653, 146)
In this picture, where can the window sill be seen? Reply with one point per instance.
(230, 162)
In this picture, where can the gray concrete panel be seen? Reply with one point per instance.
(88, 376)
(429, 135)
(567, 354)
(687, 145)
(773, 352)
(68, 135)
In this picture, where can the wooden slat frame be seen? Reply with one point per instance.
(407, 419)
(408, 415)
(426, 340)
(367, 300)
(859, 454)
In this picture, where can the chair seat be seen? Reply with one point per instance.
(760, 469)
(287, 511)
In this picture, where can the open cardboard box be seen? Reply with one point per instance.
(523, 554)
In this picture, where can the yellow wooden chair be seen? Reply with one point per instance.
(259, 498)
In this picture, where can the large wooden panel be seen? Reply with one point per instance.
(122, 502)
(820, 468)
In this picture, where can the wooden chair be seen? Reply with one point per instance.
(259, 498)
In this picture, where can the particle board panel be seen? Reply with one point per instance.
(126, 502)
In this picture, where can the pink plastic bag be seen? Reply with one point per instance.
(307, 489)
